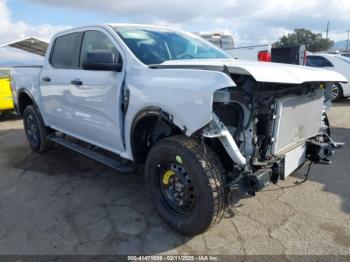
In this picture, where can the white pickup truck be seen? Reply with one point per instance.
(265, 53)
(226, 43)
(207, 128)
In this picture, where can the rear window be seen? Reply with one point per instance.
(64, 54)
(227, 42)
(223, 41)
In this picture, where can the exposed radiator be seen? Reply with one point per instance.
(297, 119)
(294, 159)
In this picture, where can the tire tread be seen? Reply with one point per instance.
(214, 171)
(45, 144)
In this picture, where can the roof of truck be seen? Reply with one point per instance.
(136, 25)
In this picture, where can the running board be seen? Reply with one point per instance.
(115, 164)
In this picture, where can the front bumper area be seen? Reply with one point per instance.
(249, 178)
(248, 182)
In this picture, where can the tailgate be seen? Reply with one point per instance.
(289, 55)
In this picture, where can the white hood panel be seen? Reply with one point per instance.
(264, 71)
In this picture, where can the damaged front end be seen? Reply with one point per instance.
(264, 132)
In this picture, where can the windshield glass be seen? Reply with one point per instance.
(344, 59)
(154, 46)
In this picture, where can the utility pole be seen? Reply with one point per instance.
(347, 41)
(327, 30)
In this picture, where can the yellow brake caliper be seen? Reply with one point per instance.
(167, 175)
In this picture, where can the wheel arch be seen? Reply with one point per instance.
(149, 126)
(25, 98)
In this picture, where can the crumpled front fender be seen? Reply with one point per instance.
(186, 95)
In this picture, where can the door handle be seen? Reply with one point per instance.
(76, 82)
(46, 79)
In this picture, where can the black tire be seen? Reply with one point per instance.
(337, 92)
(328, 129)
(35, 129)
(206, 179)
(326, 122)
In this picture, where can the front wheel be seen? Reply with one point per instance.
(337, 92)
(185, 181)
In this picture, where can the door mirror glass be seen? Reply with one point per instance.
(101, 60)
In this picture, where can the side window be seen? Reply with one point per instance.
(325, 62)
(313, 61)
(64, 53)
(97, 41)
(318, 61)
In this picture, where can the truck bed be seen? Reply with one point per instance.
(247, 52)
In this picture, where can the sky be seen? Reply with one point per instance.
(250, 21)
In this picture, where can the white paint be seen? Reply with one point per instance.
(93, 114)
(341, 64)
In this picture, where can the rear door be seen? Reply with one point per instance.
(85, 103)
(55, 79)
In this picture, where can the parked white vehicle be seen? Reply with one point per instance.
(337, 63)
(207, 128)
(226, 43)
(264, 53)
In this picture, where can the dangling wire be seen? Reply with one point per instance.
(306, 176)
(296, 183)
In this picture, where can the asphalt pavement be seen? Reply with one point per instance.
(62, 203)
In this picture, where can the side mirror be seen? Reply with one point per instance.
(102, 60)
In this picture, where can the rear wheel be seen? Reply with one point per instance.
(337, 92)
(35, 129)
(186, 185)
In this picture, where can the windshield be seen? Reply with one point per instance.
(154, 46)
(344, 59)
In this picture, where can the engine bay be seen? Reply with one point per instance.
(275, 128)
